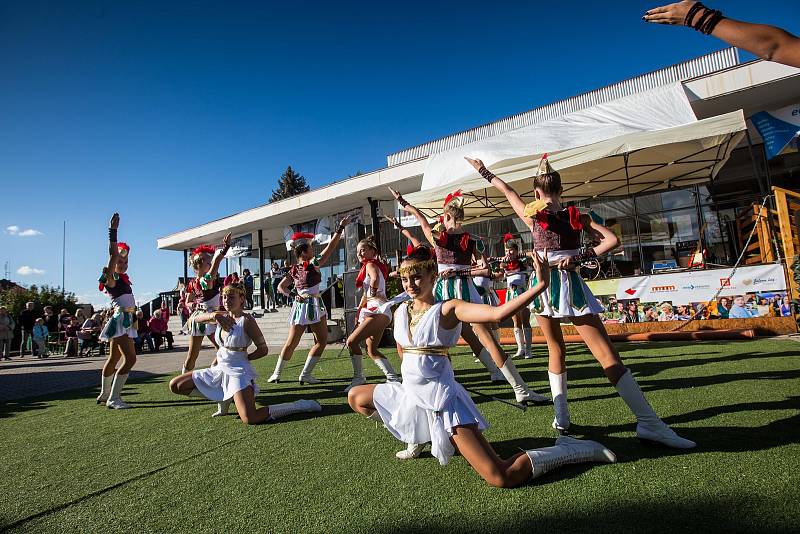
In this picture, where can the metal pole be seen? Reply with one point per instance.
(635, 218)
(185, 267)
(261, 279)
(376, 223)
(63, 255)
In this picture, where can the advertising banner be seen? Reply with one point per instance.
(778, 128)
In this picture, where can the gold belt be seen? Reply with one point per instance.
(203, 307)
(126, 310)
(303, 298)
(235, 349)
(427, 351)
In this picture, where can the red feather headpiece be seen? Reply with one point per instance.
(302, 235)
(454, 196)
(204, 249)
(123, 248)
(507, 237)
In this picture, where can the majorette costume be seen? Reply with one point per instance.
(374, 303)
(516, 280)
(123, 322)
(205, 293)
(455, 251)
(429, 402)
(485, 287)
(308, 307)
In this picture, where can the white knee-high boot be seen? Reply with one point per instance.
(558, 389)
(520, 343)
(358, 372)
(522, 393)
(567, 450)
(276, 411)
(305, 376)
(115, 399)
(105, 388)
(649, 426)
(528, 335)
(275, 377)
(386, 368)
(495, 375)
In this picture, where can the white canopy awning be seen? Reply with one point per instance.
(631, 163)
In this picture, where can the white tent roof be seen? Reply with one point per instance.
(626, 164)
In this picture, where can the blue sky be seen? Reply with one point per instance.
(178, 113)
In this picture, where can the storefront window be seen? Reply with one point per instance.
(668, 237)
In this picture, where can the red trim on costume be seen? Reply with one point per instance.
(120, 276)
(442, 238)
(542, 219)
(464, 244)
(363, 272)
(512, 265)
(409, 249)
(575, 218)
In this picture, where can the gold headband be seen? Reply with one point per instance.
(417, 267)
(231, 287)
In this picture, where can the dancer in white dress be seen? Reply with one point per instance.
(431, 406)
(374, 315)
(120, 330)
(231, 376)
(202, 297)
(556, 232)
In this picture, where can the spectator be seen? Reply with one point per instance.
(81, 315)
(158, 324)
(27, 319)
(650, 314)
(739, 310)
(89, 335)
(247, 278)
(71, 333)
(183, 310)
(64, 320)
(232, 278)
(50, 319)
(763, 308)
(632, 313)
(40, 333)
(6, 333)
(143, 334)
(277, 276)
(269, 294)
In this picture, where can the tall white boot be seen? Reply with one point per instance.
(222, 408)
(528, 335)
(386, 368)
(520, 343)
(568, 450)
(276, 411)
(275, 377)
(495, 374)
(558, 389)
(115, 399)
(105, 388)
(305, 376)
(358, 372)
(649, 426)
(523, 394)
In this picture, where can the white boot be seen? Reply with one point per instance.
(222, 408)
(115, 399)
(388, 371)
(520, 343)
(648, 425)
(528, 335)
(358, 372)
(521, 391)
(305, 376)
(105, 388)
(568, 450)
(412, 451)
(558, 389)
(275, 377)
(495, 375)
(276, 411)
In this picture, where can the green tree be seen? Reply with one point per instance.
(289, 185)
(14, 299)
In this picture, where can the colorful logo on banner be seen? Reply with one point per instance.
(778, 128)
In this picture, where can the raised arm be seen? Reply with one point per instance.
(334, 242)
(403, 230)
(113, 251)
(456, 310)
(219, 254)
(254, 333)
(423, 222)
(513, 198)
(767, 42)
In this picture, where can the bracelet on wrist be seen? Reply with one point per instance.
(697, 6)
(487, 174)
(403, 202)
(112, 234)
(584, 256)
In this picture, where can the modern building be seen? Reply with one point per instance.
(710, 208)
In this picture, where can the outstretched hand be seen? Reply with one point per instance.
(224, 320)
(114, 222)
(400, 200)
(475, 163)
(674, 14)
(226, 241)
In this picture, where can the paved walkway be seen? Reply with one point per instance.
(30, 377)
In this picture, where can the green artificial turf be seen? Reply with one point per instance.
(72, 466)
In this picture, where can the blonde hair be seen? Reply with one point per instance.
(234, 288)
(455, 211)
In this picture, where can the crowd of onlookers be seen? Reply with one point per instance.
(42, 333)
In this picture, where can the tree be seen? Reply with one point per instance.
(15, 299)
(289, 185)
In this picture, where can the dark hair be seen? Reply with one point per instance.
(369, 241)
(456, 212)
(423, 256)
(300, 248)
(549, 183)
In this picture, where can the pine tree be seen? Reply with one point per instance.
(289, 185)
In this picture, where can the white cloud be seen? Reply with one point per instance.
(15, 230)
(28, 271)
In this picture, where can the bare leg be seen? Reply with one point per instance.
(468, 334)
(128, 350)
(295, 333)
(482, 457)
(195, 344)
(182, 384)
(372, 348)
(556, 348)
(320, 330)
(114, 355)
(246, 406)
(594, 334)
(371, 327)
(213, 340)
(360, 399)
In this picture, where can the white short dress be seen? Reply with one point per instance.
(123, 322)
(568, 295)
(516, 283)
(309, 309)
(233, 371)
(485, 287)
(429, 403)
(377, 304)
(456, 287)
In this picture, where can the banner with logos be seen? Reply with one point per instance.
(778, 128)
(697, 286)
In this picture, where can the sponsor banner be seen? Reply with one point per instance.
(240, 246)
(604, 287)
(698, 286)
(778, 128)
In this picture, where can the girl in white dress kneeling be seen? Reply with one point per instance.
(430, 406)
(231, 377)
